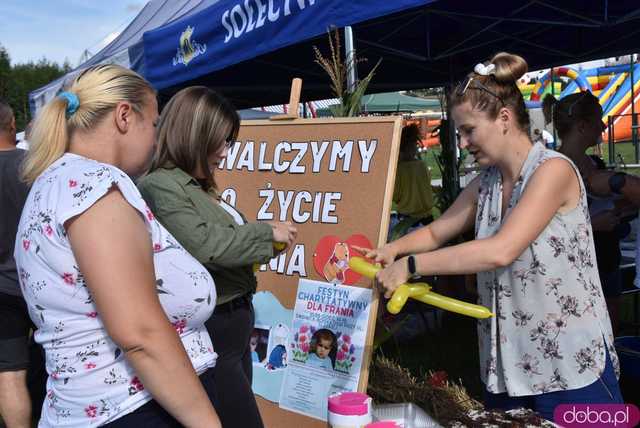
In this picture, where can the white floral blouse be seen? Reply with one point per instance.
(90, 382)
(551, 325)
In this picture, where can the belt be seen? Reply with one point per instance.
(423, 221)
(244, 301)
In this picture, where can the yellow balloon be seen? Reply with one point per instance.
(419, 291)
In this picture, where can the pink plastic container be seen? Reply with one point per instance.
(383, 424)
(349, 410)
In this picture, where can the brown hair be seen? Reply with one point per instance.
(195, 123)
(323, 334)
(502, 86)
(6, 116)
(98, 89)
(570, 110)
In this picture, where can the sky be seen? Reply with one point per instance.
(60, 30)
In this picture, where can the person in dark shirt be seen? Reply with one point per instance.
(15, 404)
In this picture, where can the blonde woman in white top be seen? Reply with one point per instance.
(118, 304)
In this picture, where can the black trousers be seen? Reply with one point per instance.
(230, 328)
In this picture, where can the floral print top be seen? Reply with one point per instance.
(90, 382)
(551, 324)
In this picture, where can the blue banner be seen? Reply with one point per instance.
(229, 32)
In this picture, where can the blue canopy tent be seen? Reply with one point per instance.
(201, 28)
(423, 43)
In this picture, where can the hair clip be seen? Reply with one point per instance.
(484, 70)
(72, 102)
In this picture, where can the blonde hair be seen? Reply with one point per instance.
(502, 84)
(99, 89)
(194, 124)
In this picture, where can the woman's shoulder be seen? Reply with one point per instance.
(163, 180)
(553, 170)
(80, 174)
(73, 183)
(544, 154)
(552, 159)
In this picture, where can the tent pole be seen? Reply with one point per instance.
(350, 55)
(634, 119)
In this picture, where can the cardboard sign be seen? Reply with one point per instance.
(332, 178)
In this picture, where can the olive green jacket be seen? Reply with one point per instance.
(228, 250)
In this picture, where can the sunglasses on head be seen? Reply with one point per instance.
(583, 94)
(573, 104)
(472, 83)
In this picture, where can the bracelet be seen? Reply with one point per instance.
(411, 267)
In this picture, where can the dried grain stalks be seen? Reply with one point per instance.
(337, 69)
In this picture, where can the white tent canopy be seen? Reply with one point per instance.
(126, 49)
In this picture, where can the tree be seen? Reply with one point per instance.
(16, 82)
(5, 72)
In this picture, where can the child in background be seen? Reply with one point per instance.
(323, 347)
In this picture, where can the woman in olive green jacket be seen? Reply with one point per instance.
(196, 129)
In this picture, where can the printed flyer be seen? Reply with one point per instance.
(326, 343)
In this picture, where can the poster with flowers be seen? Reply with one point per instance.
(326, 342)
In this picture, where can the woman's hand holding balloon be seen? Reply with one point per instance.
(385, 255)
(284, 232)
(392, 276)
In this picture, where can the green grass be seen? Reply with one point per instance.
(624, 154)
(429, 157)
(625, 150)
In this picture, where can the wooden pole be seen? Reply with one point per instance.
(294, 102)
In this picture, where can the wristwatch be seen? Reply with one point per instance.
(411, 267)
(617, 182)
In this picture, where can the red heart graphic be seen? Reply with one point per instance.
(331, 258)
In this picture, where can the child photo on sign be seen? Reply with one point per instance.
(322, 349)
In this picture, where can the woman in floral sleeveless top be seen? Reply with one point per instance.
(550, 339)
(118, 304)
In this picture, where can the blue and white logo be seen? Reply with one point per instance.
(188, 49)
